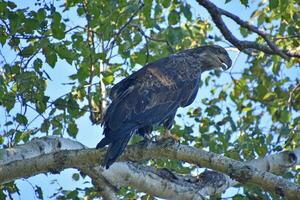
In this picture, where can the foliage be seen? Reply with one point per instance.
(250, 111)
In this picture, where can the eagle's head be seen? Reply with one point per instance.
(213, 57)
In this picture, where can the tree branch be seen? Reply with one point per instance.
(50, 154)
(107, 190)
(216, 14)
(157, 182)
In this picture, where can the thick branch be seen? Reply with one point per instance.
(107, 190)
(216, 14)
(20, 162)
(235, 169)
(162, 183)
(159, 182)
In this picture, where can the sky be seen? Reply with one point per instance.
(90, 135)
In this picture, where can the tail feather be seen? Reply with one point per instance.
(115, 149)
(105, 141)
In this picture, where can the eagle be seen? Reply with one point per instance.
(152, 95)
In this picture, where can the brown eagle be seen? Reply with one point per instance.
(153, 94)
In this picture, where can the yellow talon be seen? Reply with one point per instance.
(168, 135)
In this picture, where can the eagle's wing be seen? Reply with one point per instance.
(191, 92)
(123, 85)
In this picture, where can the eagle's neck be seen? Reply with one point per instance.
(186, 65)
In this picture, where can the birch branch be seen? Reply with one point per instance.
(107, 190)
(50, 154)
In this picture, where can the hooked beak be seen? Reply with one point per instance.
(224, 66)
(225, 62)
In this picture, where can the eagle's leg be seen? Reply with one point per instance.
(145, 132)
(167, 134)
(168, 123)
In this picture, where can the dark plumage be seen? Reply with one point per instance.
(153, 94)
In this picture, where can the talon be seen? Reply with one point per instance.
(148, 136)
(168, 135)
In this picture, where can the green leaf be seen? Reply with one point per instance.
(139, 57)
(261, 90)
(28, 51)
(245, 3)
(244, 32)
(83, 73)
(4, 35)
(173, 17)
(30, 25)
(11, 5)
(37, 64)
(73, 108)
(51, 57)
(213, 110)
(246, 109)
(41, 14)
(166, 3)
(273, 4)
(261, 150)
(64, 53)
(76, 176)
(80, 11)
(239, 197)
(18, 135)
(108, 79)
(21, 119)
(60, 103)
(72, 195)
(187, 12)
(269, 96)
(41, 104)
(9, 100)
(45, 126)
(58, 30)
(283, 5)
(56, 17)
(285, 116)
(25, 136)
(72, 129)
(276, 67)
(260, 19)
(175, 35)
(8, 123)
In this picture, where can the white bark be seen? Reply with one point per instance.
(277, 163)
(52, 154)
(37, 147)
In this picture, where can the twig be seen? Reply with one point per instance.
(290, 100)
(216, 14)
(91, 43)
(111, 44)
(3, 59)
(286, 37)
(155, 39)
(147, 50)
(103, 92)
(255, 30)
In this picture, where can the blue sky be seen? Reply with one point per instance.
(90, 135)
